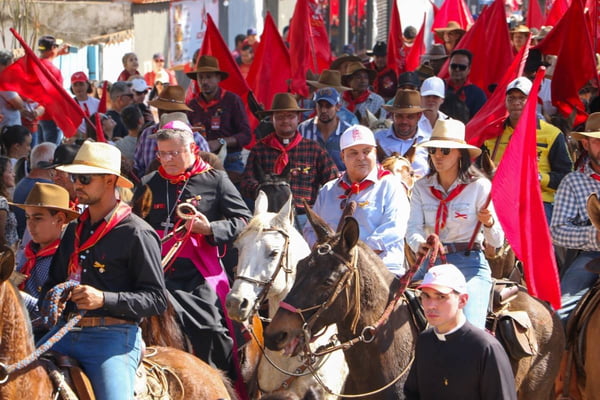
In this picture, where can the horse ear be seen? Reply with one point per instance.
(322, 230)
(7, 262)
(286, 173)
(410, 154)
(286, 212)
(261, 204)
(350, 233)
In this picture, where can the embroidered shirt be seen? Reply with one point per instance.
(309, 130)
(382, 214)
(571, 226)
(462, 214)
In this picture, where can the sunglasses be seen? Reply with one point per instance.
(433, 150)
(84, 179)
(130, 95)
(460, 67)
(141, 93)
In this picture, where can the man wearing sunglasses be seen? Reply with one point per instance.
(467, 92)
(114, 256)
(121, 95)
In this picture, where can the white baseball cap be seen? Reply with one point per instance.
(445, 278)
(357, 134)
(139, 85)
(521, 83)
(433, 86)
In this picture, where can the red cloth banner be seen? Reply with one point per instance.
(413, 60)
(535, 18)
(453, 10)
(396, 59)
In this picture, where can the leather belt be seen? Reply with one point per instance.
(459, 247)
(91, 322)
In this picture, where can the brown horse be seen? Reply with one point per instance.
(341, 264)
(188, 377)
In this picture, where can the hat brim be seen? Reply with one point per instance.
(193, 75)
(320, 85)
(439, 288)
(268, 112)
(168, 106)
(337, 63)
(71, 215)
(434, 57)
(90, 169)
(451, 144)
(410, 110)
(585, 135)
(432, 93)
(440, 31)
(371, 72)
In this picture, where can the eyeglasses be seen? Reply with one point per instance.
(433, 150)
(169, 154)
(141, 93)
(84, 179)
(460, 67)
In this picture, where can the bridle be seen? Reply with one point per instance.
(266, 285)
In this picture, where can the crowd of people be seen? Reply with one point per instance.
(394, 144)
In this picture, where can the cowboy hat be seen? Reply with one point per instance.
(450, 134)
(329, 78)
(171, 98)
(379, 49)
(207, 64)
(451, 26)
(48, 195)
(355, 66)
(437, 52)
(592, 128)
(284, 102)
(406, 101)
(97, 158)
(339, 62)
(520, 29)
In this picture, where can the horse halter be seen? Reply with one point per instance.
(283, 261)
(343, 282)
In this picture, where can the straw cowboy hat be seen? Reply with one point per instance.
(354, 66)
(452, 26)
(329, 78)
(339, 62)
(97, 158)
(207, 64)
(592, 128)
(51, 196)
(171, 98)
(450, 134)
(406, 101)
(520, 29)
(284, 102)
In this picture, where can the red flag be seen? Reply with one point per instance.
(489, 41)
(396, 58)
(103, 99)
(535, 19)
(435, 8)
(518, 201)
(309, 44)
(575, 65)
(453, 10)
(557, 10)
(31, 79)
(215, 46)
(271, 68)
(99, 130)
(413, 60)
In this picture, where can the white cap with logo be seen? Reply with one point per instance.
(433, 86)
(521, 83)
(445, 278)
(355, 135)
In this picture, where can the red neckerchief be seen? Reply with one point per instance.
(206, 105)
(32, 257)
(358, 187)
(460, 92)
(442, 212)
(353, 102)
(119, 214)
(198, 167)
(283, 159)
(74, 204)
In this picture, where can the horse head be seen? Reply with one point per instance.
(401, 166)
(276, 187)
(7, 263)
(269, 248)
(326, 289)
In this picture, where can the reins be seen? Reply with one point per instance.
(185, 211)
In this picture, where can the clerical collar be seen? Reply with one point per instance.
(442, 336)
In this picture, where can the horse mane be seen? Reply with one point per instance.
(13, 312)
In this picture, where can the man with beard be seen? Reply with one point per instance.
(360, 98)
(326, 127)
(404, 132)
(219, 114)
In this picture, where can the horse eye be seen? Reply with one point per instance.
(273, 253)
(328, 282)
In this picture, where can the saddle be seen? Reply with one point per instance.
(151, 378)
(512, 328)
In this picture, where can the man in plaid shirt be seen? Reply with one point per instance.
(571, 226)
(309, 164)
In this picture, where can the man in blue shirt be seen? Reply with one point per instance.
(326, 127)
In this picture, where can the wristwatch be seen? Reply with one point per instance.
(222, 141)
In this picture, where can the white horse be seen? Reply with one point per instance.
(269, 249)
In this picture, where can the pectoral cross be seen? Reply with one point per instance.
(167, 225)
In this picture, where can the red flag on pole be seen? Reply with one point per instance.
(215, 46)
(99, 130)
(31, 79)
(575, 65)
(535, 18)
(103, 99)
(396, 59)
(309, 44)
(557, 10)
(489, 120)
(453, 10)
(271, 68)
(413, 60)
(518, 201)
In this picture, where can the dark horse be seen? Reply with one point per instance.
(347, 276)
(188, 377)
(276, 187)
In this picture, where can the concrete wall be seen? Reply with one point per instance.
(151, 33)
